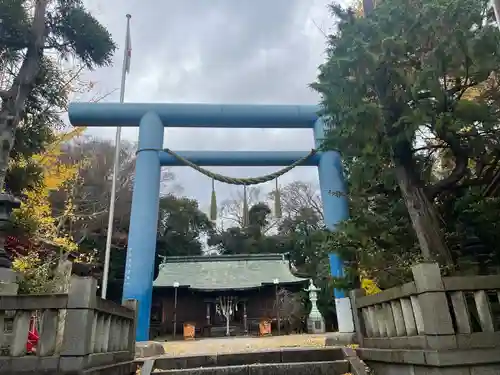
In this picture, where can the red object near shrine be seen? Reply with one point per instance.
(33, 337)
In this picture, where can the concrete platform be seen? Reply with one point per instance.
(251, 344)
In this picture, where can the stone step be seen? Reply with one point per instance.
(339, 367)
(283, 355)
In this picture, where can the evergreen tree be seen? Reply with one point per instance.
(29, 31)
(411, 95)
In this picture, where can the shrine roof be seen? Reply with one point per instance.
(225, 272)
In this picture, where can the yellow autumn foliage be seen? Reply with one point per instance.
(369, 286)
(35, 214)
(25, 263)
(37, 276)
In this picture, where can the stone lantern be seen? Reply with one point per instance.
(7, 275)
(315, 321)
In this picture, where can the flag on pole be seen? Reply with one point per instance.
(128, 46)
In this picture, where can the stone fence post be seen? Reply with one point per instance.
(359, 327)
(133, 305)
(436, 317)
(78, 325)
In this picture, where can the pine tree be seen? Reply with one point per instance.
(29, 31)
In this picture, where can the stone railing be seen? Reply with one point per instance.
(433, 321)
(77, 332)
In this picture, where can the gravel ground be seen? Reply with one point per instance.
(241, 344)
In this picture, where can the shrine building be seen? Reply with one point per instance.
(190, 290)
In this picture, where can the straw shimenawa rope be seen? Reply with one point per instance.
(240, 181)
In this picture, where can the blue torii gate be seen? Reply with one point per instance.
(152, 119)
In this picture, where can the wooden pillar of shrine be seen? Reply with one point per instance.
(245, 320)
(208, 321)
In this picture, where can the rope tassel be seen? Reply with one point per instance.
(245, 207)
(277, 202)
(213, 203)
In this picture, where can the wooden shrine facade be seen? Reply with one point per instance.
(189, 290)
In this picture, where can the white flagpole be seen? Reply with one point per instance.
(109, 236)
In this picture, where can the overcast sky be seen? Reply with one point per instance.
(218, 51)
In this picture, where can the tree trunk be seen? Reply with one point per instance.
(14, 99)
(423, 216)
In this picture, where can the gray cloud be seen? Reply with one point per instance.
(218, 51)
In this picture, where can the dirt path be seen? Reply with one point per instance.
(241, 344)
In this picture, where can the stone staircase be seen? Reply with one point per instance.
(285, 361)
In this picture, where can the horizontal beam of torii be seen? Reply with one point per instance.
(193, 115)
(240, 158)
